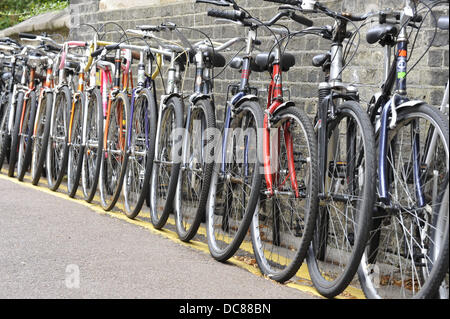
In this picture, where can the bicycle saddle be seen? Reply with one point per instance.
(381, 33)
(443, 23)
(264, 61)
(217, 60)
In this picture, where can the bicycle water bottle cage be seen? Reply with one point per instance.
(382, 33)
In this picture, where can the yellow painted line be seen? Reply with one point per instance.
(349, 293)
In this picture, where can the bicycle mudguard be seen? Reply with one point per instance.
(237, 102)
(282, 107)
(197, 97)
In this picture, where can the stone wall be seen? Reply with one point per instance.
(427, 80)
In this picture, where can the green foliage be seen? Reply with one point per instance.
(15, 11)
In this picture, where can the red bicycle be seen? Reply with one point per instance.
(283, 224)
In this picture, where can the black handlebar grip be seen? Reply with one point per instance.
(289, 2)
(301, 19)
(27, 36)
(221, 3)
(234, 15)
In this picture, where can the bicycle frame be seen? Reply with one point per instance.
(396, 75)
(274, 103)
(242, 96)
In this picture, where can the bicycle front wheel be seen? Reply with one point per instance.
(93, 150)
(58, 148)
(76, 147)
(41, 136)
(406, 249)
(195, 174)
(115, 155)
(15, 134)
(236, 182)
(283, 226)
(25, 139)
(346, 202)
(166, 165)
(141, 152)
(5, 137)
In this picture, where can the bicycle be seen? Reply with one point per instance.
(10, 99)
(41, 126)
(283, 223)
(197, 156)
(236, 177)
(114, 156)
(346, 161)
(400, 260)
(141, 128)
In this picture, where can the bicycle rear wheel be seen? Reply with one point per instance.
(58, 148)
(235, 183)
(195, 174)
(283, 225)
(93, 150)
(141, 152)
(346, 204)
(76, 147)
(115, 153)
(406, 256)
(25, 138)
(41, 136)
(166, 165)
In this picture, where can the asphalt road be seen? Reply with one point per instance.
(52, 247)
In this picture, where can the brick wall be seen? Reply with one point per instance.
(427, 80)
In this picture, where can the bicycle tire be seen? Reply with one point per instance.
(167, 162)
(5, 137)
(281, 237)
(93, 145)
(192, 185)
(58, 148)
(115, 156)
(394, 264)
(76, 148)
(40, 143)
(333, 259)
(141, 152)
(15, 135)
(232, 228)
(26, 141)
